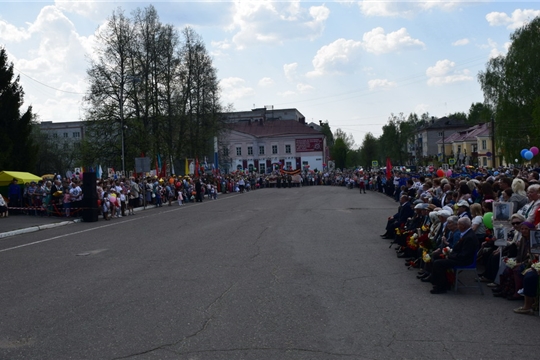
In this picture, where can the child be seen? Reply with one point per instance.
(3, 207)
(67, 201)
(180, 198)
(106, 206)
(123, 202)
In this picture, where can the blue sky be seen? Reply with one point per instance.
(353, 63)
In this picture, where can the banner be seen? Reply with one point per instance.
(309, 145)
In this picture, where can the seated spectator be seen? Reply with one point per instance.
(463, 254)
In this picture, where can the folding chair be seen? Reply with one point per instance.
(459, 269)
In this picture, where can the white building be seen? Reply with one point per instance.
(262, 144)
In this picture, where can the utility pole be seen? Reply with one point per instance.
(443, 152)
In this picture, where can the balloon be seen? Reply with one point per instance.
(523, 152)
(449, 173)
(534, 150)
(528, 155)
(488, 220)
(440, 173)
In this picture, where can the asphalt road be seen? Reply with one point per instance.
(272, 274)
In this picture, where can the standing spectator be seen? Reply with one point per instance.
(76, 195)
(198, 191)
(3, 207)
(14, 193)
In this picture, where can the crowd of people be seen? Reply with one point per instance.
(488, 219)
(483, 217)
(119, 197)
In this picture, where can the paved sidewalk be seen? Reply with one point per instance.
(16, 224)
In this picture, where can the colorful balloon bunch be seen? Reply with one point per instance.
(528, 154)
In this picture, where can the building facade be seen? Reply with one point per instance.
(67, 132)
(471, 146)
(265, 143)
(426, 138)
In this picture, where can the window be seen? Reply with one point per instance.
(238, 151)
(250, 150)
(65, 135)
(484, 144)
(274, 149)
(55, 135)
(261, 150)
(288, 165)
(262, 168)
(474, 148)
(441, 133)
(76, 134)
(459, 149)
(484, 161)
(225, 151)
(287, 149)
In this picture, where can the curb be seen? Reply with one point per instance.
(51, 226)
(54, 225)
(36, 228)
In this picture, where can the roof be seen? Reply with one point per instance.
(470, 134)
(273, 128)
(444, 122)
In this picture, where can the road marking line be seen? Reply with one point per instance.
(100, 227)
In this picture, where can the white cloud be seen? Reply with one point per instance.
(460, 42)
(421, 109)
(406, 9)
(378, 42)
(381, 84)
(385, 9)
(303, 88)
(286, 93)
(222, 45)
(444, 73)
(334, 57)
(266, 82)
(96, 10)
(517, 19)
(234, 88)
(10, 33)
(290, 71)
(446, 5)
(271, 22)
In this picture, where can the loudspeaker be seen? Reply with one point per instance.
(90, 206)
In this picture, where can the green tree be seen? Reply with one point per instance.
(325, 129)
(511, 86)
(19, 152)
(347, 138)
(369, 151)
(479, 113)
(339, 153)
(153, 87)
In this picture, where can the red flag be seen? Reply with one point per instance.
(196, 167)
(163, 169)
(388, 168)
(157, 167)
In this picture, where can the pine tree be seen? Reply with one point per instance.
(19, 153)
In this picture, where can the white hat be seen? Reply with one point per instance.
(444, 213)
(463, 203)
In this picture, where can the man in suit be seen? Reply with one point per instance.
(462, 254)
(405, 211)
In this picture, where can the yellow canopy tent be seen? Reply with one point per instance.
(23, 177)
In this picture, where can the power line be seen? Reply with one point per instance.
(50, 87)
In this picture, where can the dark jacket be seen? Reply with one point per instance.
(464, 252)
